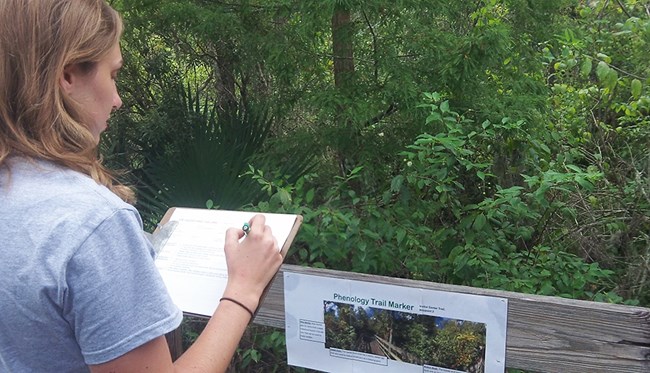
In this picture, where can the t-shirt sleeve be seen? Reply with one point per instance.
(116, 299)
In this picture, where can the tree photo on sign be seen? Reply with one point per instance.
(406, 337)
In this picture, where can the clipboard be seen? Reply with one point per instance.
(189, 252)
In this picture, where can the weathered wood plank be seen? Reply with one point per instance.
(545, 334)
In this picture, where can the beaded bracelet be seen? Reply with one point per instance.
(240, 304)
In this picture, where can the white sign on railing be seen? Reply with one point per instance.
(338, 325)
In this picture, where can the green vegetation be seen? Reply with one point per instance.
(416, 339)
(498, 143)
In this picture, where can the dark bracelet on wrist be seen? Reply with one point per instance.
(239, 304)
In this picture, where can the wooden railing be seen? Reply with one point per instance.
(545, 334)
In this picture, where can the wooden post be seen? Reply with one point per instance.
(175, 343)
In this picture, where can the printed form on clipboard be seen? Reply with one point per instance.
(191, 258)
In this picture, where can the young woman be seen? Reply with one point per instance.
(79, 290)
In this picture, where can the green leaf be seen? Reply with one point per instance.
(396, 183)
(573, 168)
(611, 79)
(586, 67)
(356, 170)
(400, 235)
(637, 88)
(444, 107)
(310, 195)
(584, 183)
(284, 196)
(602, 70)
(433, 117)
(604, 57)
(479, 222)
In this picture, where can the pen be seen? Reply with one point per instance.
(246, 228)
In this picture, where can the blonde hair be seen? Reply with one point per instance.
(38, 39)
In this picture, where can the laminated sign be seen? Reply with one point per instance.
(338, 325)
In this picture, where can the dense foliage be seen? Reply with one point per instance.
(495, 143)
(415, 339)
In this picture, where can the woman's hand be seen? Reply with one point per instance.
(252, 262)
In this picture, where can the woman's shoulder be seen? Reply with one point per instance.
(51, 211)
(47, 187)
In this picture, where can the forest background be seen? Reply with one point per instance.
(500, 144)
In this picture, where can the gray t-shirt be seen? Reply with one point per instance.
(78, 284)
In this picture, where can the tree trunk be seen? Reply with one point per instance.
(343, 55)
(342, 47)
(225, 78)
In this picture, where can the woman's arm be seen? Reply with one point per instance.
(251, 266)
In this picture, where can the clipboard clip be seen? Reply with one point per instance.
(161, 235)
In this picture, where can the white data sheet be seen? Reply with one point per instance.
(192, 262)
